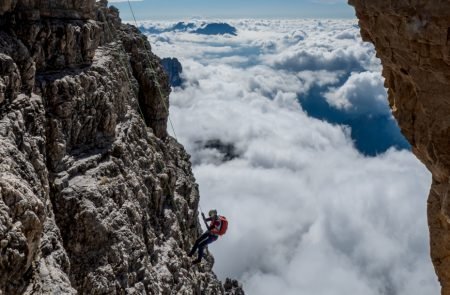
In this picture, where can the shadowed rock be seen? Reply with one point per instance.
(173, 68)
(412, 39)
(227, 150)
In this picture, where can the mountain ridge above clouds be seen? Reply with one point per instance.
(196, 27)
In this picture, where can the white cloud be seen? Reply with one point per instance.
(308, 213)
(321, 58)
(362, 93)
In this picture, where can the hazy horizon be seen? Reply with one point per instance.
(270, 9)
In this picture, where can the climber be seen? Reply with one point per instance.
(216, 228)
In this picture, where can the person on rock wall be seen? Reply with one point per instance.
(217, 227)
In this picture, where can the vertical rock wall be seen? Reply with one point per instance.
(412, 39)
(95, 198)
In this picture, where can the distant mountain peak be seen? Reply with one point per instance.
(195, 27)
(217, 29)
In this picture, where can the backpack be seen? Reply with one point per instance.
(224, 227)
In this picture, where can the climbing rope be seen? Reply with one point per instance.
(155, 82)
(201, 211)
(122, 62)
(158, 86)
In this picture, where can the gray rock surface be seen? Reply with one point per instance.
(95, 197)
(173, 68)
(61, 9)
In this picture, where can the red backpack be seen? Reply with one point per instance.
(224, 226)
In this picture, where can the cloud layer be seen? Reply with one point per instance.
(309, 214)
(362, 93)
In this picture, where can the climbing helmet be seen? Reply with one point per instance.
(212, 213)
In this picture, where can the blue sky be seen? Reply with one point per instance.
(175, 9)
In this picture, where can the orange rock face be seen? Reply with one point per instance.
(412, 39)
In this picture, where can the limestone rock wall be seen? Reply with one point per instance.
(61, 9)
(95, 198)
(174, 69)
(412, 39)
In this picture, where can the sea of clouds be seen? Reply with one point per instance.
(308, 212)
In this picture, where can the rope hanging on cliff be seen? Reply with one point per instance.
(201, 211)
(122, 62)
(154, 81)
(158, 86)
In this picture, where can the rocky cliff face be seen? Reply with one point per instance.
(173, 68)
(412, 39)
(95, 197)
